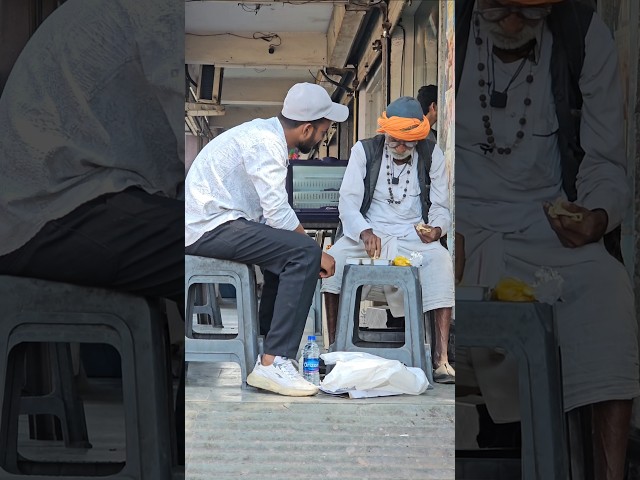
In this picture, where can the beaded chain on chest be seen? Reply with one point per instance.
(393, 180)
(491, 98)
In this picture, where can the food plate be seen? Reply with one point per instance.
(368, 261)
(382, 261)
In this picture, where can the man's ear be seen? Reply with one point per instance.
(307, 130)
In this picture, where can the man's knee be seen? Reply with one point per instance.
(310, 252)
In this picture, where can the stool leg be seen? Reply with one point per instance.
(215, 305)
(39, 382)
(180, 404)
(202, 299)
(317, 309)
(75, 424)
(14, 380)
(55, 409)
(331, 302)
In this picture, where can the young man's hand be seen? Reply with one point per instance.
(372, 243)
(327, 265)
(576, 233)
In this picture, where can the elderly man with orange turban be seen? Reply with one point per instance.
(541, 121)
(393, 183)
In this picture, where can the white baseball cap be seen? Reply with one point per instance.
(307, 102)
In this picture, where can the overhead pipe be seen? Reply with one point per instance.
(386, 60)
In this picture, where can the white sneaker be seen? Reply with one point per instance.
(280, 377)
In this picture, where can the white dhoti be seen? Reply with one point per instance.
(597, 328)
(436, 273)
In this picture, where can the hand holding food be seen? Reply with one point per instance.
(372, 243)
(574, 224)
(557, 209)
(427, 233)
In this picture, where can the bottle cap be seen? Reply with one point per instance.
(311, 337)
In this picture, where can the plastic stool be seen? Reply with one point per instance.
(528, 331)
(242, 349)
(58, 313)
(413, 352)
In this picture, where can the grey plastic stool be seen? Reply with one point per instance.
(57, 313)
(413, 352)
(528, 331)
(243, 349)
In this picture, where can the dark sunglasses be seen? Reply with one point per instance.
(495, 14)
(395, 143)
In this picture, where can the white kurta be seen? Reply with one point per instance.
(394, 224)
(499, 211)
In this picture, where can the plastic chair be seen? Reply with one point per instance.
(215, 347)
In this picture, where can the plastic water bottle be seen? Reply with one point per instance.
(311, 361)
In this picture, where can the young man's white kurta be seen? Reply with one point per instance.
(394, 224)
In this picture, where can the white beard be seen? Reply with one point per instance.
(401, 156)
(504, 42)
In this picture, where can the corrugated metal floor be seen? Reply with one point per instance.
(234, 433)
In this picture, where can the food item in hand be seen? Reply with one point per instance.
(557, 209)
(422, 228)
(401, 261)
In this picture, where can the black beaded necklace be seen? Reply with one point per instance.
(393, 180)
(498, 99)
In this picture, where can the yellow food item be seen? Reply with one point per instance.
(511, 289)
(557, 209)
(401, 261)
(422, 228)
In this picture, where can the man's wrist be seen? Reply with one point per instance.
(366, 231)
(602, 220)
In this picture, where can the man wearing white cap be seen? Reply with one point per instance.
(237, 209)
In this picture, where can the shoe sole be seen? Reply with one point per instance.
(447, 380)
(271, 386)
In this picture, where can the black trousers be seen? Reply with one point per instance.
(129, 241)
(291, 265)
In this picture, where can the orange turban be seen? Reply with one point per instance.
(408, 129)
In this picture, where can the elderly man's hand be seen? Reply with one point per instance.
(372, 243)
(428, 233)
(574, 232)
(327, 265)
